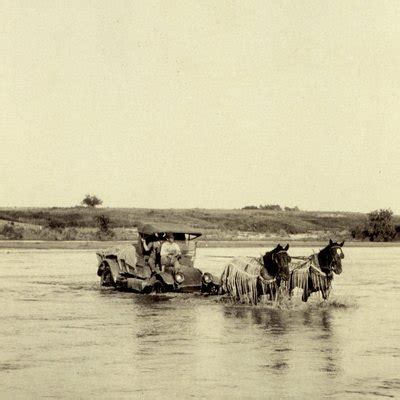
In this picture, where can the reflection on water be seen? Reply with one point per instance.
(279, 329)
(62, 336)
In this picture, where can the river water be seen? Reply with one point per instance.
(62, 336)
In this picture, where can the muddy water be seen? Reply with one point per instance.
(61, 336)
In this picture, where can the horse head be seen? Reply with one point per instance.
(276, 262)
(330, 257)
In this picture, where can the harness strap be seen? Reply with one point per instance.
(303, 264)
(318, 270)
(310, 262)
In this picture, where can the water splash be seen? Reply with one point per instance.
(295, 303)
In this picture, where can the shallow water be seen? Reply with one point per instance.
(62, 336)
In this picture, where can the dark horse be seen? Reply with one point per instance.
(276, 263)
(316, 272)
(245, 279)
(276, 266)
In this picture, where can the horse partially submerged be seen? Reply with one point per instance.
(245, 279)
(315, 273)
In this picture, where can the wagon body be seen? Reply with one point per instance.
(128, 268)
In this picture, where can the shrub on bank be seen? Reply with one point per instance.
(379, 227)
(12, 232)
(104, 231)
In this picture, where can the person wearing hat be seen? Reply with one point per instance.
(153, 249)
(170, 253)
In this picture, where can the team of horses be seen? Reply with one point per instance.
(247, 279)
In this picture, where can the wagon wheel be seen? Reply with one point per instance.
(106, 278)
(158, 287)
(214, 289)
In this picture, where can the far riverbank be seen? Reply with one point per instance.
(93, 245)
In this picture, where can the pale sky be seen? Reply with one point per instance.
(214, 104)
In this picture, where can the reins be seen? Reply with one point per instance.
(279, 252)
(303, 264)
(308, 263)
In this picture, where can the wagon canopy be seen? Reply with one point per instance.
(181, 232)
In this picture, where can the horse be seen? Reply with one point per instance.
(246, 279)
(315, 273)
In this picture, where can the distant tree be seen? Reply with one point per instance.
(397, 229)
(271, 207)
(104, 232)
(250, 208)
(380, 225)
(295, 208)
(91, 201)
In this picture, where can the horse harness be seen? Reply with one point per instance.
(309, 262)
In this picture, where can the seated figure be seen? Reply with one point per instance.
(170, 253)
(153, 249)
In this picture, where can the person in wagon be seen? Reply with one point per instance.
(153, 249)
(170, 252)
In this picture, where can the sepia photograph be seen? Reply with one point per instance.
(199, 199)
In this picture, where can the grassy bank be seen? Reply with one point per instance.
(96, 245)
(81, 224)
